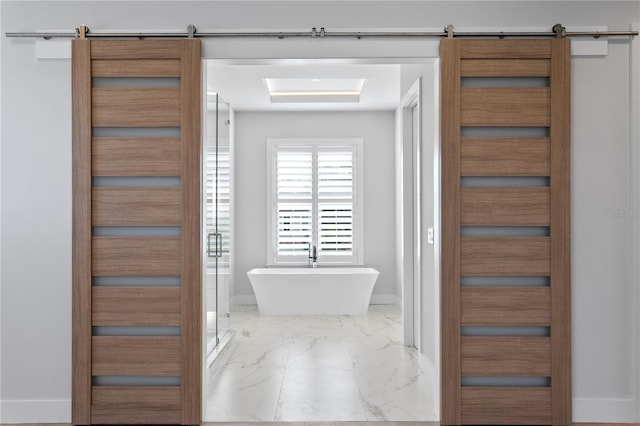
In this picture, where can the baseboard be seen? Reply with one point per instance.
(35, 411)
(604, 410)
(384, 299)
(590, 411)
(243, 299)
(587, 411)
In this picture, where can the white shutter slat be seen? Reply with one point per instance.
(335, 220)
(294, 178)
(335, 229)
(294, 184)
(335, 175)
(295, 227)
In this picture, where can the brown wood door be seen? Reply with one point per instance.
(505, 232)
(137, 308)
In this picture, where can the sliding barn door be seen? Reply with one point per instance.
(505, 232)
(136, 232)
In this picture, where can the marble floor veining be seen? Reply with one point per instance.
(319, 368)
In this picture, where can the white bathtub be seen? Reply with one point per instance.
(313, 291)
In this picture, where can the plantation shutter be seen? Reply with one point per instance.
(294, 177)
(335, 201)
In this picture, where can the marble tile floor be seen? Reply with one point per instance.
(293, 424)
(320, 369)
(377, 423)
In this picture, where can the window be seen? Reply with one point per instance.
(314, 190)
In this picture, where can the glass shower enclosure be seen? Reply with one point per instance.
(216, 220)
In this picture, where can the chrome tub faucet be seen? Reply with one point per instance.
(313, 256)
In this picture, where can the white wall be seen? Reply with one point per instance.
(378, 131)
(0, 218)
(417, 195)
(36, 171)
(602, 286)
(635, 199)
(426, 76)
(430, 205)
(36, 236)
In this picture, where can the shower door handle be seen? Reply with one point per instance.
(214, 251)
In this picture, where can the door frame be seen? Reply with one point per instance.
(409, 211)
(431, 61)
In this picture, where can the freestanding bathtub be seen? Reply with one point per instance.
(313, 291)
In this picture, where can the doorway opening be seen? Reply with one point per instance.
(379, 366)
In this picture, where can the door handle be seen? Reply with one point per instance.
(214, 249)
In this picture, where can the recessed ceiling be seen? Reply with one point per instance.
(310, 90)
(306, 87)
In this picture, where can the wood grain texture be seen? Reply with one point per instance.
(506, 406)
(505, 256)
(136, 405)
(509, 107)
(136, 68)
(127, 107)
(505, 68)
(505, 157)
(136, 256)
(81, 231)
(506, 306)
(515, 256)
(140, 306)
(450, 381)
(505, 49)
(136, 356)
(506, 356)
(504, 206)
(135, 49)
(136, 206)
(561, 230)
(136, 157)
(192, 305)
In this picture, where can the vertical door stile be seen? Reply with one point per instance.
(561, 231)
(450, 328)
(81, 232)
(191, 269)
